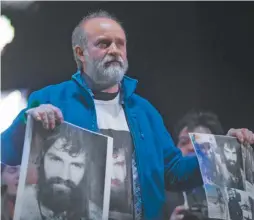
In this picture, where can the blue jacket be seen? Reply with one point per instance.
(160, 164)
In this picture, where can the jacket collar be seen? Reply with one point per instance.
(128, 85)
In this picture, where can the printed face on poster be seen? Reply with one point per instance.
(227, 171)
(65, 174)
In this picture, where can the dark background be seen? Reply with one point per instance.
(184, 54)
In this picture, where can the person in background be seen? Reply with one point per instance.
(10, 180)
(193, 122)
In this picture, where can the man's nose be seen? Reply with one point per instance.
(113, 50)
(65, 173)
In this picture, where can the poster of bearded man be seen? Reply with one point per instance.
(65, 174)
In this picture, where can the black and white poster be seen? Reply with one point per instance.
(195, 200)
(239, 204)
(248, 158)
(216, 201)
(231, 162)
(121, 196)
(65, 174)
(227, 170)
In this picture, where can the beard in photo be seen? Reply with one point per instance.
(59, 195)
(232, 166)
(118, 199)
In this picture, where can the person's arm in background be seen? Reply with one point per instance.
(181, 173)
(12, 139)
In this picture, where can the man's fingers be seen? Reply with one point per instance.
(179, 209)
(47, 114)
(58, 114)
(236, 133)
(252, 140)
(244, 136)
(45, 121)
(249, 137)
(36, 116)
(240, 136)
(175, 215)
(179, 217)
(51, 118)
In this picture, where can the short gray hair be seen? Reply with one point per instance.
(79, 37)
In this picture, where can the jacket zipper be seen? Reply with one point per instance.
(136, 154)
(94, 119)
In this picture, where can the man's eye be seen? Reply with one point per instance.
(103, 44)
(54, 159)
(77, 165)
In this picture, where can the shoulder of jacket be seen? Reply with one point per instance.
(57, 87)
(144, 104)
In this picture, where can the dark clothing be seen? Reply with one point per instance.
(235, 210)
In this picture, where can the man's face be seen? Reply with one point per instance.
(184, 141)
(206, 149)
(230, 155)
(119, 170)
(105, 57)
(62, 170)
(10, 177)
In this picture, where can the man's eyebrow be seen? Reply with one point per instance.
(54, 156)
(102, 38)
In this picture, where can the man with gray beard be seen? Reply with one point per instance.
(99, 97)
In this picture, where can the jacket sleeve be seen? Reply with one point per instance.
(181, 173)
(12, 139)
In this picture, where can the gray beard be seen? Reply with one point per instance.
(98, 77)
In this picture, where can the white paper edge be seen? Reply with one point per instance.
(24, 166)
(108, 174)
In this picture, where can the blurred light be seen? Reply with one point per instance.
(10, 106)
(7, 32)
(16, 5)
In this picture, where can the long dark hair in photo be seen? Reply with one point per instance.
(76, 143)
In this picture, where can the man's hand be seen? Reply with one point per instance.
(178, 213)
(243, 135)
(48, 114)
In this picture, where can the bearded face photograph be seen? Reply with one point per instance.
(121, 196)
(209, 161)
(232, 162)
(61, 173)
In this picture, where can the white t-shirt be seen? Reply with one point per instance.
(112, 122)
